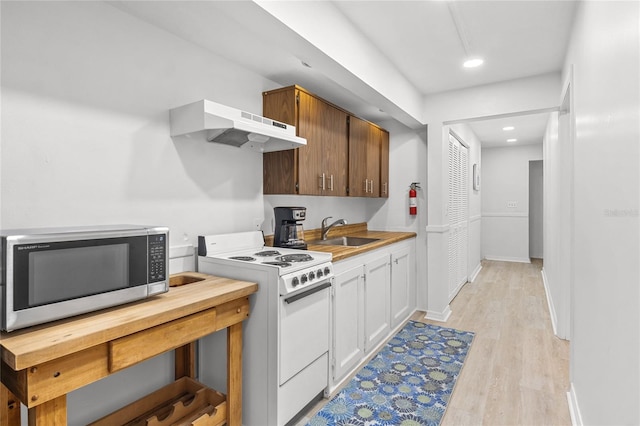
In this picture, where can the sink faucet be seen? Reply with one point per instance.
(325, 228)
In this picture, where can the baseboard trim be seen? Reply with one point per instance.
(439, 316)
(475, 273)
(574, 409)
(552, 309)
(508, 259)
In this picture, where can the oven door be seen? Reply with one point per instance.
(304, 329)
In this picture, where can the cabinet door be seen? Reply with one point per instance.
(348, 326)
(373, 160)
(376, 301)
(384, 163)
(400, 285)
(336, 150)
(363, 139)
(280, 168)
(311, 126)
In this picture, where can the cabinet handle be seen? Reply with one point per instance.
(331, 183)
(321, 182)
(366, 186)
(384, 185)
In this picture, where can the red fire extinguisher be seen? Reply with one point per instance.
(413, 203)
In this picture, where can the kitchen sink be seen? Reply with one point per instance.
(345, 241)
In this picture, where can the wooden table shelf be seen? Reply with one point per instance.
(41, 364)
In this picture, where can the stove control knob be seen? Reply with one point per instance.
(295, 281)
(327, 271)
(303, 278)
(312, 276)
(319, 273)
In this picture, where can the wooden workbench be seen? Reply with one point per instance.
(41, 364)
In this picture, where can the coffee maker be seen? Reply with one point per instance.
(288, 231)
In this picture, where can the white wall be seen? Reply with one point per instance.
(86, 93)
(605, 340)
(536, 209)
(520, 95)
(556, 272)
(85, 136)
(505, 179)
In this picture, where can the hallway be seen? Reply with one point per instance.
(517, 372)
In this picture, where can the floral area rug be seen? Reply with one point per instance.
(408, 382)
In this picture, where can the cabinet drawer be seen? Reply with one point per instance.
(185, 402)
(137, 347)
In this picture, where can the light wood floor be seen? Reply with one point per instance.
(517, 371)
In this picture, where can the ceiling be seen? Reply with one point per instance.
(423, 42)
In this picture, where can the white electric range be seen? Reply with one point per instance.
(285, 338)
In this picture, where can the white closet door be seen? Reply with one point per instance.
(463, 215)
(458, 212)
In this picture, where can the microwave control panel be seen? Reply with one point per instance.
(157, 257)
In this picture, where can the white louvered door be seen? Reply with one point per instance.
(458, 211)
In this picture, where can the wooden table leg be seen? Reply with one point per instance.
(50, 413)
(185, 361)
(234, 374)
(9, 407)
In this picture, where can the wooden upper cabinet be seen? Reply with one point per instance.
(320, 167)
(364, 158)
(384, 163)
(280, 168)
(344, 155)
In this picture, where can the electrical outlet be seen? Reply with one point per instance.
(512, 204)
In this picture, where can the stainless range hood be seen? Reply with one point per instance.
(231, 126)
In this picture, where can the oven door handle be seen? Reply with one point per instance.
(308, 292)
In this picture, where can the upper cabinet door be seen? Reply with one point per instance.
(280, 168)
(310, 157)
(336, 150)
(358, 146)
(323, 162)
(364, 158)
(384, 163)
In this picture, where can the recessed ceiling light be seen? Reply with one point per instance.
(473, 62)
(508, 128)
(512, 140)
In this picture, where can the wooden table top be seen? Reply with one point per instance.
(35, 345)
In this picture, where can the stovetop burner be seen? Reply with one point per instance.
(267, 253)
(243, 258)
(302, 257)
(280, 264)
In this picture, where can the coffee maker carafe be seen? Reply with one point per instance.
(288, 231)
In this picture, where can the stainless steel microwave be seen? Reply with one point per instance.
(53, 273)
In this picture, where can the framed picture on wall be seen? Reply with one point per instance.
(476, 177)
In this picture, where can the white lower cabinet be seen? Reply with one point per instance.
(402, 298)
(372, 294)
(348, 321)
(376, 301)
